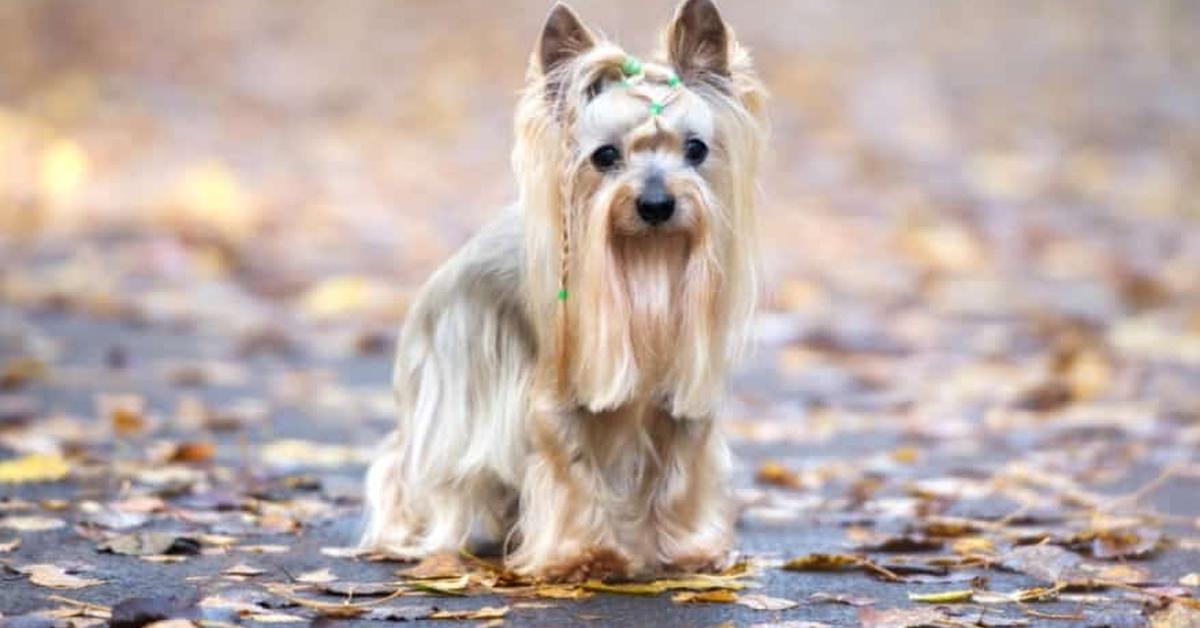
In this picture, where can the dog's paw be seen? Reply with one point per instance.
(592, 564)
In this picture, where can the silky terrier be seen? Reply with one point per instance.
(558, 377)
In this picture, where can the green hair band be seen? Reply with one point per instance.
(631, 66)
(562, 294)
(674, 81)
(656, 108)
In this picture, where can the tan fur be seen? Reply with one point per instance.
(581, 433)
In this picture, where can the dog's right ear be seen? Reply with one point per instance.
(563, 38)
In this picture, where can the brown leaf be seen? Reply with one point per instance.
(775, 474)
(487, 612)
(822, 597)
(1177, 615)
(901, 618)
(444, 565)
(194, 451)
(31, 523)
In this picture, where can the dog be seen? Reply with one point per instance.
(558, 378)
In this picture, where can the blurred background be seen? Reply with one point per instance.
(944, 176)
(980, 238)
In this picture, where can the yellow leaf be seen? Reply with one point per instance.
(944, 597)
(562, 592)
(339, 296)
(487, 612)
(719, 596)
(823, 562)
(1190, 580)
(454, 586)
(63, 170)
(973, 545)
(31, 523)
(34, 468)
(55, 577)
(775, 474)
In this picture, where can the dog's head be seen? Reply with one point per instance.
(638, 183)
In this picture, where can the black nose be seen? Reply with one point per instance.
(655, 204)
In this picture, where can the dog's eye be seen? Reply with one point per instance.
(605, 157)
(695, 151)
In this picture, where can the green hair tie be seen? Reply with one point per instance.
(656, 108)
(674, 81)
(631, 66)
(562, 294)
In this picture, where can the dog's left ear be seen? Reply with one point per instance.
(698, 42)
(563, 37)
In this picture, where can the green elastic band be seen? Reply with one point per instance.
(631, 66)
(562, 294)
(656, 108)
(674, 81)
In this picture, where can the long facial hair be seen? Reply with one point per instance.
(656, 316)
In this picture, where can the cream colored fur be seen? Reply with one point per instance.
(581, 433)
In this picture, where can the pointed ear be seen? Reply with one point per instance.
(698, 42)
(563, 37)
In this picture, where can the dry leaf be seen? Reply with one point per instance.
(194, 451)
(487, 612)
(562, 592)
(840, 598)
(34, 468)
(454, 586)
(718, 596)
(8, 546)
(901, 618)
(242, 569)
(1177, 615)
(943, 597)
(318, 576)
(443, 565)
(1190, 580)
(151, 544)
(775, 474)
(31, 523)
(760, 602)
(55, 577)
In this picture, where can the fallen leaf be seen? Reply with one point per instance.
(273, 617)
(760, 602)
(839, 562)
(698, 582)
(242, 569)
(31, 523)
(1177, 615)
(775, 474)
(562, 592)
(848, 599)
(454, 586)
(125, 413)
(56, 577)
(8, 546)
(318, 576)
(34, 468)
(19, 372)
(443, 565)
(1048, 563)
(1190, 580)
(151, 544)
(717, 596)
(901, 618)
(487, 612)
(194, 451)
(943, 597)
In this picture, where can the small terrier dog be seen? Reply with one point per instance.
(558, 378)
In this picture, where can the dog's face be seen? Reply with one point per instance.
(639, 175)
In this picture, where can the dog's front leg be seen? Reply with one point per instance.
(692, 505)
(564, 529)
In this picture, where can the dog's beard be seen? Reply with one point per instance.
(645, 316)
